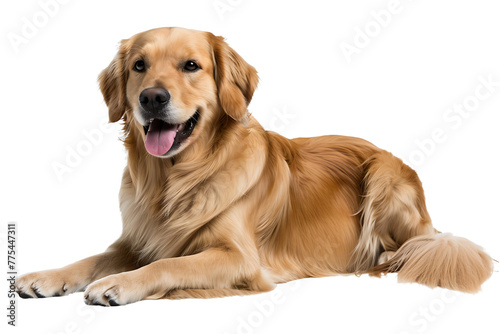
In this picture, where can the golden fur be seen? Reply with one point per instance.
(238, 209)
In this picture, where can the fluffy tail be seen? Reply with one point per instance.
(439, 260)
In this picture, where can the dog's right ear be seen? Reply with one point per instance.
(113, 81)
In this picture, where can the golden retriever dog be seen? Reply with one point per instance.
(214, 205)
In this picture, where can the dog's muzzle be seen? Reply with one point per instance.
(162, 137)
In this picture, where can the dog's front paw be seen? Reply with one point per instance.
(49, 283)
(114, 290)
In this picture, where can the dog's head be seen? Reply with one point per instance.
(171, 83)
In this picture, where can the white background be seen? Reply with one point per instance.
(394, 92)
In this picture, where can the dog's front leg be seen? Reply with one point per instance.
(76, 276)
(214, 268)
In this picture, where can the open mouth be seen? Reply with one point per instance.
(163, 137)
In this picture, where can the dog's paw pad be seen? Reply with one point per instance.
(24, 295)
(37, 293)
(112, 302)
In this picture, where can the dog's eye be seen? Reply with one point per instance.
(139, 66)
(191, 66)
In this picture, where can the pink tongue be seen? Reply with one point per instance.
(160, 137)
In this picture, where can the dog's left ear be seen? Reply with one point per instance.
(113, 81)
(236, 80)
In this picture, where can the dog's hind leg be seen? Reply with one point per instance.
(397, 232)
(392, 210)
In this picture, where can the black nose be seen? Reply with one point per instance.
(153, 99)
